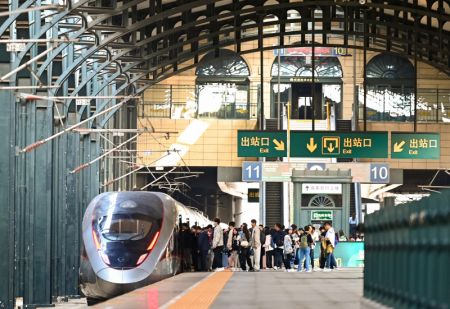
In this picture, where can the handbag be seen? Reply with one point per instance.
(244, 243)
(251, 252)
(330, 249)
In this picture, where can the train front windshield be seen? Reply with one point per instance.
(126, 226)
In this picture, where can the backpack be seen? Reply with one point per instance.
(304, 241)
(288, 247)
(280, 241)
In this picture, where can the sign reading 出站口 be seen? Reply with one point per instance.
(339, 144)
(415, 146)
(262, 144)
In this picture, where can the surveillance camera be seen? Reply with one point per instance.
(362, 2)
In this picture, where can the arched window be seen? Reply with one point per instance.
(223, 86)
(227, 64)
(390, 88)
(300, 66)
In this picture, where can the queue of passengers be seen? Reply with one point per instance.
(255, 247)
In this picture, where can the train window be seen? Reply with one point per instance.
(121, 227)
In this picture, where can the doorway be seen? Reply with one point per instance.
(302, 101)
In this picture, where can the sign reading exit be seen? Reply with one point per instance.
(325, 144)
(321, 215)
(415, 146)
(339, 145)
(262, 144)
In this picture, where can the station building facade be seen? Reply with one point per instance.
(207, 105)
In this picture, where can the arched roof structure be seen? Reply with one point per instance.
(138, 43)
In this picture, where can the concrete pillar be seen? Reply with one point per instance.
(238, 211)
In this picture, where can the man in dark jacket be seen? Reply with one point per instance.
(203, 247)
(196, 230)
(186, 246)
(278, 241)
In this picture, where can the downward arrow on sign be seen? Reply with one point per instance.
(311, 146)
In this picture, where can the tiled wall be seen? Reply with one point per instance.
(201, 142)
(216, 146)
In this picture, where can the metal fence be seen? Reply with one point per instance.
(433, 105)
(407, 254)
(182, 102)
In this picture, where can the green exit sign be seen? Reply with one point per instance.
(415, 146)
(339, 144)
(262, 144)
(321, 215)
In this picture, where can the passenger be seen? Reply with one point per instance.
(262, 236)
(210, 257)
(330, 238)
(186, 245)
(278, 240)
(306, 242)
(234, 249)
(225, 248)
(295, 243)
(342, 236)
(217, 245)
(256, 245)
(195, 231)
(244, 243)
(229, 242)
(204, 247)
(315, 238)
(353, 223)
(323, 246)
(288, 250)
(268, 248)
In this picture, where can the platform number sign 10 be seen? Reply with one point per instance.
(379, 173)
(252, 171)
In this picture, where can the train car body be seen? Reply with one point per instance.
(130, 240)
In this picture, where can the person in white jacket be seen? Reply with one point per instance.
(268, 247)
(217, 245)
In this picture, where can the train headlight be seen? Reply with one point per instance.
(141, 259)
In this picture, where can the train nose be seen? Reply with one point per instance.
(123, 276)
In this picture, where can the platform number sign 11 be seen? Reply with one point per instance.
(379, 173)
(252, 171)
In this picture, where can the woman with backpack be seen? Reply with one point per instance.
(244, 247)
(306, 242)
(288, 250)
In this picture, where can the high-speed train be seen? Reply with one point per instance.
(130, 241)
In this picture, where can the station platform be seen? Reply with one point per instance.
(264, 289)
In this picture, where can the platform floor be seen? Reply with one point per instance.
(265, 289)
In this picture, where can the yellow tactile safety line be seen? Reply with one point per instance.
(204, 294)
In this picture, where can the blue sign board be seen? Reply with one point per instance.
(251, 171)
(379, 173)
(347, 254)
